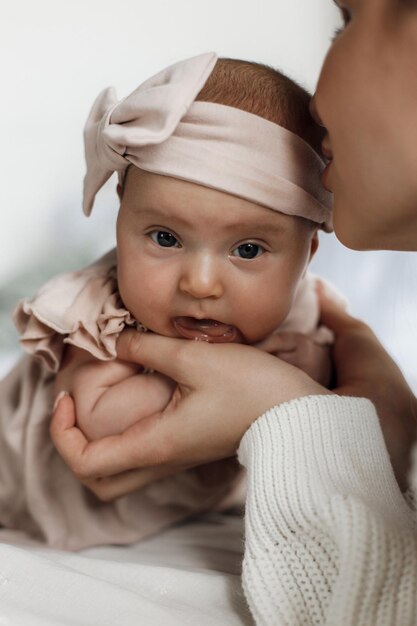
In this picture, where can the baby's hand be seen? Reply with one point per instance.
(110, 396)
(301, 351)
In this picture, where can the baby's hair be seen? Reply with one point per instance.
(264, 91)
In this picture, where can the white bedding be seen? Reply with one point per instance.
(189, 574)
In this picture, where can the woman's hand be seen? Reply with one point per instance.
(221, 390)
(364, 369)
(302, 352)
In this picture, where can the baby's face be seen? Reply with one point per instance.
(199, 263)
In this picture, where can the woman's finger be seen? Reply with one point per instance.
(111, 487)
(107, 456)
(333, 314)
(169, 356)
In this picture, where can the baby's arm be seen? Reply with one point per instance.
(110, 396)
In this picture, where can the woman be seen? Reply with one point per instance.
(329, 537)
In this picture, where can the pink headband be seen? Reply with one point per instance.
(159, 128)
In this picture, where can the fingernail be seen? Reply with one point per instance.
(58, 399)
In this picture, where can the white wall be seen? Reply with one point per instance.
(57, 55)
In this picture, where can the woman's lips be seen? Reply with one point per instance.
(205, 330)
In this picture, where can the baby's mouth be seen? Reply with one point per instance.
(206, 330)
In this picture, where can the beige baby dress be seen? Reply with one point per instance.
(38, 493)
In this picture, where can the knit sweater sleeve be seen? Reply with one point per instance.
(329, 537)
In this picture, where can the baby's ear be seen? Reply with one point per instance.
(314, 244)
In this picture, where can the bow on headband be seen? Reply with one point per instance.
(147, 117)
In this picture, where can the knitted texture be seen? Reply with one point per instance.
(329, 537)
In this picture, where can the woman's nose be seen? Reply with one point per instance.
(201, 278)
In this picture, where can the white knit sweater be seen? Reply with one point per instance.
(329, 537)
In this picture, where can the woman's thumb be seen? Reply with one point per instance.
(332, 313)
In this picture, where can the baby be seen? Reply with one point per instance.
(220, 205)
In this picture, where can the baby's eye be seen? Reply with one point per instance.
(164, 238)
(248, 250)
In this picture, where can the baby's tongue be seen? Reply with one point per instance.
(205, 330)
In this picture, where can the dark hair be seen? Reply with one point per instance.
(264, 91)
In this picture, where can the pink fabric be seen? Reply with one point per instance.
(161, 129)
(81, 308)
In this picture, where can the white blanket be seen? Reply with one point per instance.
(189, 574)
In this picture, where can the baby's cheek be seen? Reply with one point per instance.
(125, 284)
(279, 306)
(132, 295)
(266, 321)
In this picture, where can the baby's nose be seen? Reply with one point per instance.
(201, 278)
